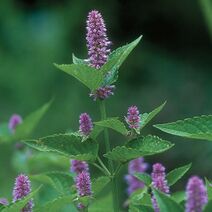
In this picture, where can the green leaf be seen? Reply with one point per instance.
(96, 131)
(68, 145)
(99, 183)
(173, 176)
(138, 147)
(139, 208)
(77, 60)
(90, 77)
(61, 181)
(208, 207)
(144, 177)
(147, 117)
(113, 123)
(26, 128)
(56, 205)
(209, 188)
(115, 60)
(4, 131)
(137, 196)
(17, 206)
(166, 203)
(199, 127)
(179, 196)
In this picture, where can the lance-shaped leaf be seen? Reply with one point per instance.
(176, 174)
(138, 147)
(147, 117)
(90, 77)
(166, 203)
(17, 206)
(115, 60)
(61, 181)
(144, 177)
(69, 145)
(199, 127)
(77, 60)
(25, 129)
(113, 123)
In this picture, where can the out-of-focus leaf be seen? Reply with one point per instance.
(178, 196)
(208, 207)
(99, 183)
(144, 177)
(209, 188)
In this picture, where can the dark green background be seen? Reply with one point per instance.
(172, 62)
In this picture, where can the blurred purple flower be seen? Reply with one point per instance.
(78, 166)
(15, 120)
(133, 118)
(21, 189)
(137, 165)
(159, 182)
(86, 124)
(4, 201)
(196, 195)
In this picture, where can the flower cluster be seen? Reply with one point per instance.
(159, 182)
(133, 118)
(137, 165)
(21, 189)
(15, 120)
(78, 166)
(103, 92)
(196, 195)
(85, 124)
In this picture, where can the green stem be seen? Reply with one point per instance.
(101, 169)
(110, 162)
(103, 166)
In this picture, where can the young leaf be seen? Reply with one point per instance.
(69, 145)
(147, 117)
(173, 176)
(77, 60)
(166, 203)
(209, 188)
(17, 206)
(208, 207)
(61, 181)
(113, 123)
(99, 183)
(90, 77)
(199, 127)
(115, 60)
(24, 129)
(144, 177)
(138, 147)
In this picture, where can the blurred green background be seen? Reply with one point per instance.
(173, 62)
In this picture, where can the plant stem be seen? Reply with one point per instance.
(103, 166)
(110, 162)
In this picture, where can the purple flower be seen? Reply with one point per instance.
(15, 120)
(78, 166)
(196, 195)
(137, 165)
(21, 189)
(159, 182)
(97, 41)
(103, 92)
(86, 124)
(4, 201)
(133, 118)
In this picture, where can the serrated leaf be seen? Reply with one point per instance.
(144, 177)
(61, 181)
(115, 60)
(199, 127)
(138, 147)
(139, 208)
(99, 183)
(113, 123)
(17, 206)
(209, 188)
(166, 203)
(77, 60)
(208, 207)
(90, 77)
(176, 174)
(57, 204)
(68, 145)
(147, 117)
(25, 129)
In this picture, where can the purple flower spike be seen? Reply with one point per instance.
(137, 165)
(159, 182)
(196, 195)
(15, 119)
(78, 166)
(97, 41)
(103, 92)
(133, 118)
(86, 124)
(4, 201)
(21, 189)
(83, 184)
